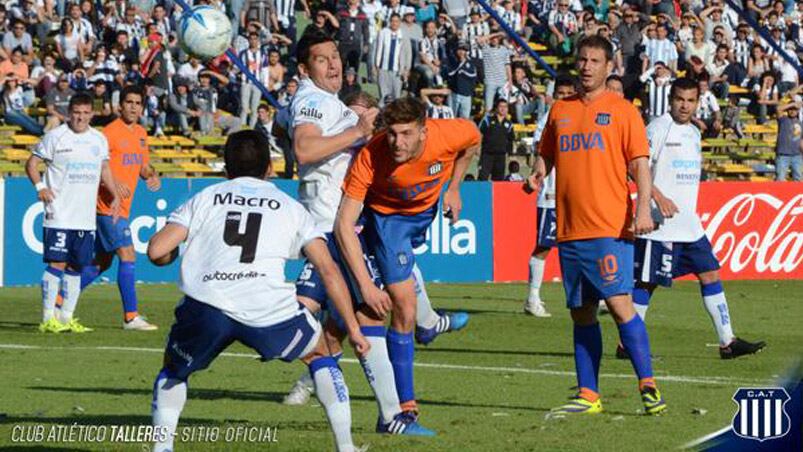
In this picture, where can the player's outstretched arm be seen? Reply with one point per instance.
(639, 169)
(310, 146)
(337, 291)
(350, 248)
(452, 204)
(163, 246)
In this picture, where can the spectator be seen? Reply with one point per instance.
(526, 99)
(614, 83)
(102, 69)
(707, 118)
(264, 125)
(83, 27)
(353, 34)
(563, 26)
(472, 33)
(256, 60)
(700, 47)
(154, 116)
(189, 71)
(57, 101)
(45, 77)
(462, 81)
(276, 72)
(16, 65)
(457, 11)
(718, 70)
(787, 72)
(392, 60)
(513, 174)
(765, 97)
(731, 117)
(788, 151)
(495, 67)
(429, 55)
(325, 22)
(660, 49)
(497, 142)
(412, 32)
(101, 106)
(629, 36)
(757, 64)
(350, 84)
(658, 81)
(69, 46)
(435, 98)
(18, 38)
(180, 109)
(15, 104)
(742, 46)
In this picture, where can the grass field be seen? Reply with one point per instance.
(486, 388)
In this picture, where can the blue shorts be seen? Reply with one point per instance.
(112, 236)
(547, 228)
(201, 332)
(661, 262)
(68, 245)
(390, 238)
(309, 283)
(595, 269)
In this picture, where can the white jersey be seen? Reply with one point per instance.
(675, 161)
(546, 197)
(241, 233)
(74, 162)
(320, 184)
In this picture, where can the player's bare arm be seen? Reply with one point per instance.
(32, 169)
(667, 207)
(151, 177)
(452, 204)
(108, 181)
(163, 246)
(345, 224)
(310, 146)
(337, 291)
(541, 167)
(639, 170)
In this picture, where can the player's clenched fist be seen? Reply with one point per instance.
(45, 195)
(643, 223)
(367, 120)
(536, 178)
(360, 344)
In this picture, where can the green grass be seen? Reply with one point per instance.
(73, 379)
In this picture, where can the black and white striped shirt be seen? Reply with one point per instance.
(430, 48)
(741, 51)
(285, 10)
(387, 11)
(389, 50)
(256, 61)
(707, 106)
(494, 60)
(513, 19)
(658, 96)
(470, 33)
(439, 111)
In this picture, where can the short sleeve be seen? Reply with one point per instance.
(361, 173)
(319, 110)
(44, 150)
(184, 213)
(460, 134)
(104, 147)
(546, 146)
(634, 135)
(305, 233)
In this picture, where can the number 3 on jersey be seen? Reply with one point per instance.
(246, 240)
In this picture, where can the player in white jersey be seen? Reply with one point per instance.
(76, 157)
(565, 86)
(326, 134)
(238, 236)
(679, 245)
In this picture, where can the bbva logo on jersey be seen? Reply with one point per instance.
(761, 413)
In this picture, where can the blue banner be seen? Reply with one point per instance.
(460, 253)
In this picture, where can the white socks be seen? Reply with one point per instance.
(717, 307)
(71, 290)
(536, 278)
(425, 316)
(169, 396)
(333, 394)
(51, 283)
(379, 372)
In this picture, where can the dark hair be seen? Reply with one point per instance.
(246, 153)
(684, 84)
(597, 42)
(499, 101)
(80, 99)
(513, 166)
(566, 80)
(614, 78)
(362, 98)
(133, 89)
(309, 39)
(404, 110)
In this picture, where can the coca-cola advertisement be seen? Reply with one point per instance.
(756, 230)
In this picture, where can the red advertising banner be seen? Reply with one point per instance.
(756, 230)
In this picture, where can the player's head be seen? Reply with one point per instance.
(360, 102)
(405, 119)
(247, 154)
(594, 62)
(565, 86)
(614, 83)
(131, 104)
(80, 109)
(683, 98)
(319, 59)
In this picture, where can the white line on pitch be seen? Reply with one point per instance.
(673, 378)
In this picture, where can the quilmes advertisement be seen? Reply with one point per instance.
(457, 253)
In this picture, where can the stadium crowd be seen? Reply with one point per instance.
(449, 52)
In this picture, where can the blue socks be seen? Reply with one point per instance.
(641, 301)
(587, 355)
(633, 335)
(125, 282)
(401, 351)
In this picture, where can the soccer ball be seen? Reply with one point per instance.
(204, 32)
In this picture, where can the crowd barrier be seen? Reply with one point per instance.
(756, 230)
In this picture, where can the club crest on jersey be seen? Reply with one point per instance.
(435, 168)
(603, 119)
(142, 142)
(761, 414)
(403, 259)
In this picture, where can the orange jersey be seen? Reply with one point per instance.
(591, 144)
(128, 153)
(412, 187)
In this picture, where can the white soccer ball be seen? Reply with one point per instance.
(204, 32)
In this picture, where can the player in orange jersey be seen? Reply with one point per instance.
(129, 161)
(595, 140)
(395, 183)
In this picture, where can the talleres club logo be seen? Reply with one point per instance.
(761, 414)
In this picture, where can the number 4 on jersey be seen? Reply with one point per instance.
(246, 240)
